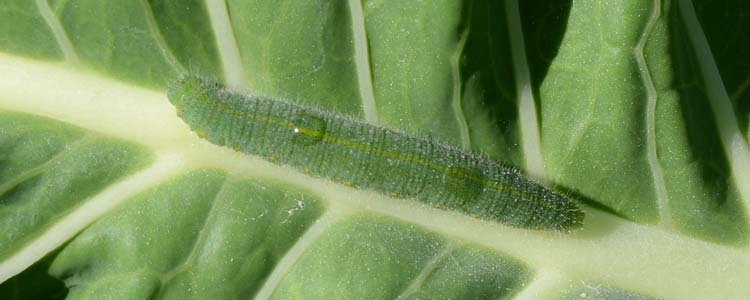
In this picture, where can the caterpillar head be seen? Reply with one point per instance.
(190, 87)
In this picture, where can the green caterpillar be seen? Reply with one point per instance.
(361, 155)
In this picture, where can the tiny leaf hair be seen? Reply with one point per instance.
(358, 154)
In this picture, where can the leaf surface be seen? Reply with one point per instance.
(639, 109)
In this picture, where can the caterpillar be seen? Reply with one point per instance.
(357, 154)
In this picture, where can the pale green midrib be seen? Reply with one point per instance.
(660, 188)
(110, 107)
(226, 45)
(734, 144)
(69, 52)
(546, 284)
(632, 253)
(362, 62)
(456, 101)
(527, 114)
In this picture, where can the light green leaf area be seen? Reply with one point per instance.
(624, 121)
(49, 169)
(377, 258)
(636, 109)
(225, 235)
(25, 33)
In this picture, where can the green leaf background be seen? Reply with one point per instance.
(638, 108)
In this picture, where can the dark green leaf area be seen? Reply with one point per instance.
(24, 32)
(373, 257)
(487, 89)
(703, 198)
(47, 168)
(544, 25)
(726, 25)
(201, 235)
(34, 283)
(703, 201)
